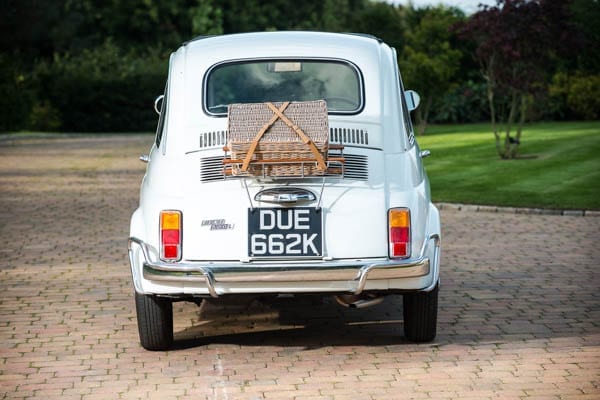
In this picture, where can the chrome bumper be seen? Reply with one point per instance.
(213, 273)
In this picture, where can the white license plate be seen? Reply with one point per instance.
(285, 232)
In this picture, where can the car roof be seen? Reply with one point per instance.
(357, 48)
(273, 34)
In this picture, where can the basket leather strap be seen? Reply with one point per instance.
(260, 134)
(305, 139)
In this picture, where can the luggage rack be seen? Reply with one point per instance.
(296, 168)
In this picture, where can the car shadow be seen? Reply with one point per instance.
(468, 313)
(300, 322)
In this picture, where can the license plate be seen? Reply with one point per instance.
(285, 232)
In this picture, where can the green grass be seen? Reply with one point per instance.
(559, 166)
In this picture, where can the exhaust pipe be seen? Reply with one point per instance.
(360, 301)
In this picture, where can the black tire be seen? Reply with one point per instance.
(155, 321)
(420, 315)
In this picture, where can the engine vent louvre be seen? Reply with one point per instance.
(211, 169)
(356, 167)
(212, 139)
(336, 135)
(349, 136)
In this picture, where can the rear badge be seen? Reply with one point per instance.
(217, 224)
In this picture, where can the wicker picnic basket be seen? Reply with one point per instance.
(277, 139)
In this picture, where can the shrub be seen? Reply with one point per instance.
(463, 103)
(580, 92)
(44, 117)
(16, 98)
(584, 96)
(103, 89)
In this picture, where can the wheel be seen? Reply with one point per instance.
(155, 321)
(420, 315)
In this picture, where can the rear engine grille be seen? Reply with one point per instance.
(212, 139)
(356, 167)
(211, 169)
(349, 136)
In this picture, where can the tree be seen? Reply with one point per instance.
(575, 88)
(517, 44)
(207, 18)
(586, 14)
(383, 20)
(260, 15)
(429, 62)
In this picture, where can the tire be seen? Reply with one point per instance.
(420, 315)
(155, 321)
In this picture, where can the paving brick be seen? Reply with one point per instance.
(519, 304)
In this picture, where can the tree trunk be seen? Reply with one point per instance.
(508, 141)
(488, 75)
(514, 151)
(418, 119)
(425, 115)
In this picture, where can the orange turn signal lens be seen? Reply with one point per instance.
(170, 220)
(399, 218)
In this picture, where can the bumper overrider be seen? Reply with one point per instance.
(213, 274)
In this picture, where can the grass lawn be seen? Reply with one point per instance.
(559, 166)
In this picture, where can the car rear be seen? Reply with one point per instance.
(361, 229)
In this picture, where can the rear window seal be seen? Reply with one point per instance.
(359, 74)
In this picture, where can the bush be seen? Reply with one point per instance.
(44, 117)
(101, 90)
(16, 98)
(584, 96)
(464, 103)
(579, 93)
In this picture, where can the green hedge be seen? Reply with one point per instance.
(108, 89)
(100, 90)
(105, 104)
(16, 97)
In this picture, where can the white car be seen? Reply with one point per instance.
(351, 217)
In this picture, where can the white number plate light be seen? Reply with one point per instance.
(285, 232)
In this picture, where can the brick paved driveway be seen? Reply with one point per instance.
(519, 306)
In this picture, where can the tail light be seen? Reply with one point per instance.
(399, 232)
(170, 235)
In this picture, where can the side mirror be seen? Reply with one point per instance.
(412, 99)
(158, 103)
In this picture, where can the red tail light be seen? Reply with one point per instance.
(399, 232)
(170, 235)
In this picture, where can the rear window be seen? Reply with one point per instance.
(337, 82)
